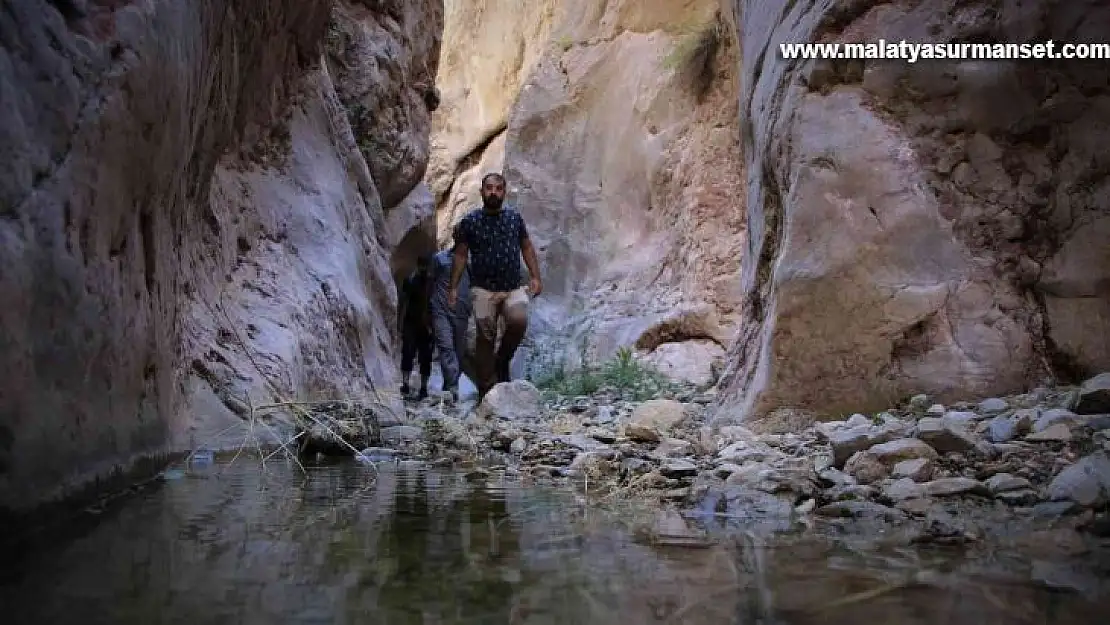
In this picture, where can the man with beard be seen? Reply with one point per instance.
(494, 237)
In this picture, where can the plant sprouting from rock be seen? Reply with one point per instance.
(695, 54)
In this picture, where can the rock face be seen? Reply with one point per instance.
(616, 124)
(961, 247)
(192, 210)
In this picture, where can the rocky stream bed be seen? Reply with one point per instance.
(1007, 468)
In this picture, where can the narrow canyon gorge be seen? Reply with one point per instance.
(207, 206)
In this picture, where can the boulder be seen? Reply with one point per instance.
(1087, 482)
(513, 401)
(660, 414)
(1094, 395)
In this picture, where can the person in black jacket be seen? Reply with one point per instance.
(415, 320)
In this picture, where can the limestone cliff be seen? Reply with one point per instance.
(193, 201)
(616, 124)
(939, 227)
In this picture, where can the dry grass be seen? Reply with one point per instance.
(298, 411)
(694, 56)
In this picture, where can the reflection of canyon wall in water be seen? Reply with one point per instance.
(193, 210)
(616, 124)
(935, 227)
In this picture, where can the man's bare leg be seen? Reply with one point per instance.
(485, 321)
(515, 313)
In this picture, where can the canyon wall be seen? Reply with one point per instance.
(938, 227)
(194, 200)
(616, 124)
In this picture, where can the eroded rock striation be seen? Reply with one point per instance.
(193, 202)
(936, 227)
(616, 124)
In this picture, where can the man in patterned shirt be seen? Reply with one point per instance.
(494, 238)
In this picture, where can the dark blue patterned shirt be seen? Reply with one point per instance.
(494, 245)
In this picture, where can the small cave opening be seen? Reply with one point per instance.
(420, 240)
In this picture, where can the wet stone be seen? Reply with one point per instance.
(860, 510)
(943, 528)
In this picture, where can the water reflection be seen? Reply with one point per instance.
(234, 544)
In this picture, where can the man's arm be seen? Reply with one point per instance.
(458, 265)
(531, 259)
(402, 304)
(430, 279)
(429, 292)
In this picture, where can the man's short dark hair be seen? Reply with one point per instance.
(495, 176)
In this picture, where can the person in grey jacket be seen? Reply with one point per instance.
(449, 322)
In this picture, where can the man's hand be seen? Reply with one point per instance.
(535, 287)
(452, 297)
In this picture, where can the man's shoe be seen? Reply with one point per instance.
(423, 393)
(405, 390)
(451, 393)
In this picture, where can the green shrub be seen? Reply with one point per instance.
(622, 372)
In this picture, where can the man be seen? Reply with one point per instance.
(449, 322)
(494, 238)
(416, 327)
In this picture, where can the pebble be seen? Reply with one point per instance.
(1057, 432)
(917, 469)
(943, 436)
(1003, 482)
(678, 467)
